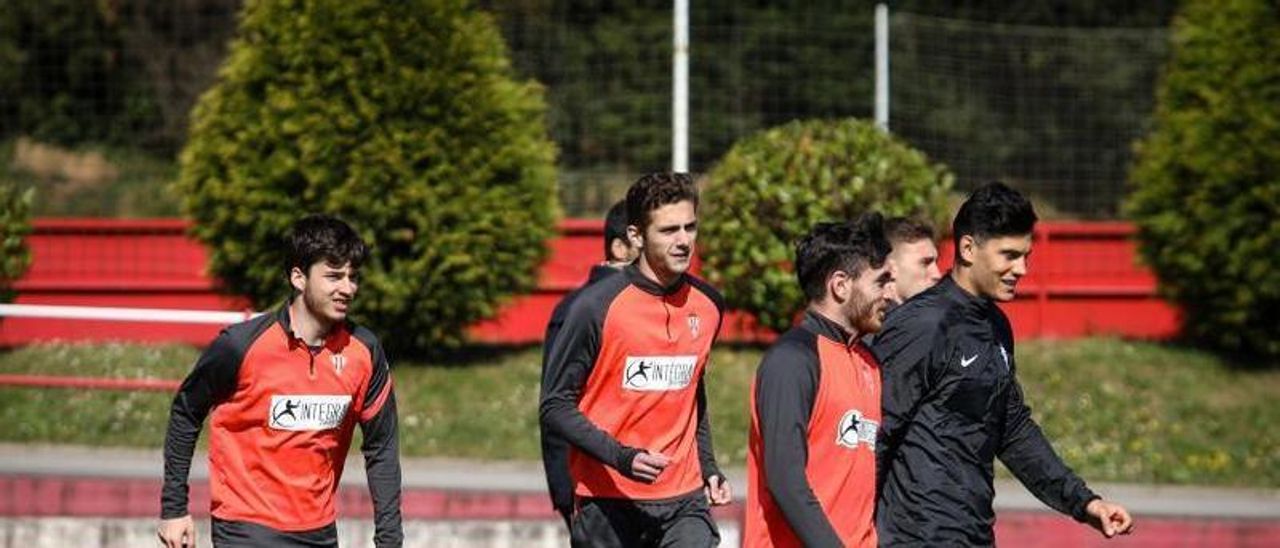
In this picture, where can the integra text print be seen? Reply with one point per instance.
(658, 373)
(310, 412)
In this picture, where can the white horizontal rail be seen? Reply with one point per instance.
(123, 314)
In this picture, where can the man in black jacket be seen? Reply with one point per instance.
(618, 252)
(952, 402)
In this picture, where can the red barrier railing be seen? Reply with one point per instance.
(1084, 280)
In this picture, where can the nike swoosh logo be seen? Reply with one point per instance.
(965, 362)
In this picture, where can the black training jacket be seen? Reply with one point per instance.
(952, 403)
(555, 450)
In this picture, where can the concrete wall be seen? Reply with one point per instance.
(63, 532)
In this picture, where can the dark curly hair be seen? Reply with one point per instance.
(849, 246)
(654, 190)
(320, 237)
(993, 210)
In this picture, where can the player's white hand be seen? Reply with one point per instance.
(177, 532)
(718, 491)
(1109, 518)
(647, 466)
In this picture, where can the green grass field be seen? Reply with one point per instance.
(1116, 410)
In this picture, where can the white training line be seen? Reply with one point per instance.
(124, 314)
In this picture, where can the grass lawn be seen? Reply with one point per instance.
(1116, 410)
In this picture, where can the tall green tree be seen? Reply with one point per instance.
(401, 117)
(1206, 195)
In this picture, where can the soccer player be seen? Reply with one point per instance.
(627, 392)
(913, 262)
(285, 391)
(618, 252)
(952, 402)
(815, 402)
(914, 259)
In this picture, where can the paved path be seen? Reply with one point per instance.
(526, 477)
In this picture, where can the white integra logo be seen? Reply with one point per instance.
(855, 429)
(312, 412)
(658, 373)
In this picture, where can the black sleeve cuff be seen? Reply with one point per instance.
(1079, 512)
(626, 457)
(175, 513)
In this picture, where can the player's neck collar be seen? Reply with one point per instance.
(652, 287)
(826, 327)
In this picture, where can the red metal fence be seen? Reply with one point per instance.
(1084, 280)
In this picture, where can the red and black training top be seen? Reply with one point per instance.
(811, 465)
(628, 376)
(283, 415)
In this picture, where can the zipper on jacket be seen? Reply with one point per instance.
(311, 355)
(667, 308)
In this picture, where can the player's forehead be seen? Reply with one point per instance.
(674, 214)
(872, 274)
(1016, 244)
(327, 267)
(919, 249)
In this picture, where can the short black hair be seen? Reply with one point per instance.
(850, 246)
(992, 211)
(319, 237)
(654, 190)
(905, 230)
(615, 227)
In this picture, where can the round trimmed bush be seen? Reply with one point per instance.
(773, 186)
(1206, 184)
(404, 118)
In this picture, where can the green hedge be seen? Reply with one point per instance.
(15, 224)
(772, 187)
(1206, 195)
(401, 117)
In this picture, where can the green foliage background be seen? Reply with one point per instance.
(1206, 186)
(772, 187)
(66, 75)
(403, 118)
(15, 224)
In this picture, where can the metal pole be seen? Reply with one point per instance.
(680, 90)
(882, 66)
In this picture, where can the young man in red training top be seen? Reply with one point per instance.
(815, 402)
(627, 391)
(286, 390)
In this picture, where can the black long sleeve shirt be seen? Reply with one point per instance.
(952, 403)
(555, 450)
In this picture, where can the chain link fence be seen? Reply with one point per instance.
(1052, 111)
(94, 95)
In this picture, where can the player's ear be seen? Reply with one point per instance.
(635, 236)
(839, 285)
(620, 249)
(967, 248)
(298, 279)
